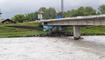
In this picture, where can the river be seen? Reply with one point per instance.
(52, 48)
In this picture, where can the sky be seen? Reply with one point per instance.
(9, 8)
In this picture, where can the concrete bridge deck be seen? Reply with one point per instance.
(76, 22)
(80, 20)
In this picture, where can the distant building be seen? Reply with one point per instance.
(8, 21)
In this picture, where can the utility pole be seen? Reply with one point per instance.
(62, 8)
(0, 13)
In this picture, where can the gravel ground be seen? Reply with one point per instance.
(52, 48)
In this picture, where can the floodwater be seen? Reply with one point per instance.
(52, 48)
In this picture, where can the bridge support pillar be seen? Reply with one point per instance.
(76, 32)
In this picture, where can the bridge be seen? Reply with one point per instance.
(76, 22)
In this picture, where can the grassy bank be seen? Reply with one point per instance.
(6, 31)
(91, 30)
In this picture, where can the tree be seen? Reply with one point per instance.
(101, 9)
(31, 16)
(82, 11)
(49, 13)
(19, 18)
(52, 13)
(66, 14)
(42, 9)
(89, 11)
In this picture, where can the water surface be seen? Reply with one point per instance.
(52, 48)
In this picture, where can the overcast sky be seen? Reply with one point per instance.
(12, 7)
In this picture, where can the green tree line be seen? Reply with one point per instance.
(50, 13)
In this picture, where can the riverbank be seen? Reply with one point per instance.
(20, 29)
(90, 30)
(34, 29)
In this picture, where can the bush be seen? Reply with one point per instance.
(19, 18)
(40, 25)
